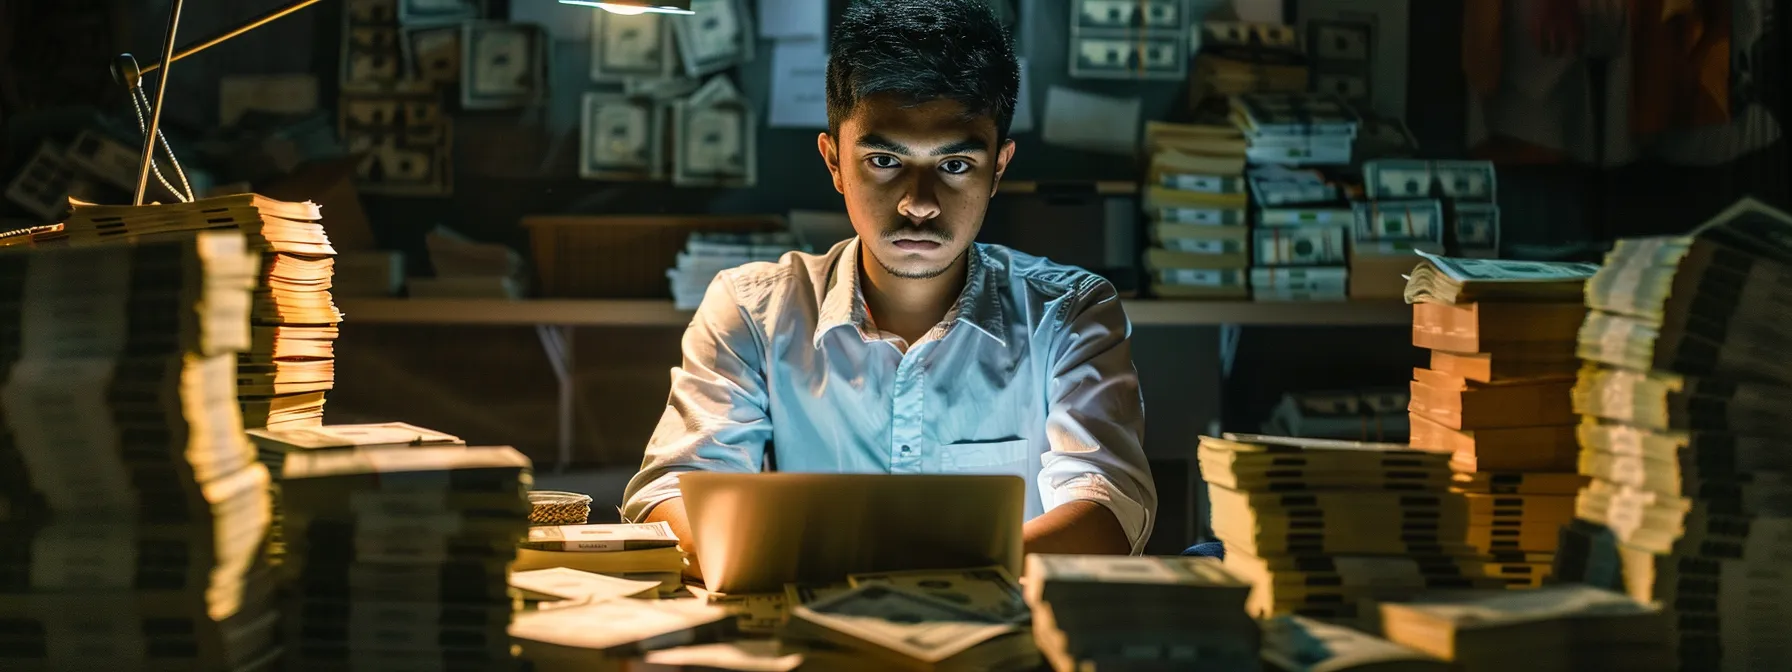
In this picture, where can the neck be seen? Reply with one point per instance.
(909, 307)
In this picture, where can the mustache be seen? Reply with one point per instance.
(909, 231)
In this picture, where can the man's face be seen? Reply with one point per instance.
(917, 180)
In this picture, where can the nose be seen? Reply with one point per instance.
(921, 203)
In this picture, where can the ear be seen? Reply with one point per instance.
(1003, 156)
(830, 154)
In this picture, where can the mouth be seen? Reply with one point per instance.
(915, 245)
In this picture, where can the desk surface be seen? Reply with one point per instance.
(661, 313)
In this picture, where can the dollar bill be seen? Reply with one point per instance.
(620, 138)
(1466, 180)
(432, 54)
(714, 139)
(912, 625)
(1276, 186)
(561, 583)
(798, 594)
(504, 65)
(1418, 220)
(755, 614)
(628, 47)
(371, 56)
(1477, 227)
(990, 591)
(758, 655)
(1241, 34)
(1392, 179)
(600, 538)
(1117, 58)
(718, 36)
(1313, 245)
(1298, 281)
(1508, 270)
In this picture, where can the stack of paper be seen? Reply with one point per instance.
(282, 377)
(402, 556)
(707, 254)
(1564, 628)
(136, 511)
(639, 551)
(1107, 612)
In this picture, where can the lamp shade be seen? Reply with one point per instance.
(636, 6)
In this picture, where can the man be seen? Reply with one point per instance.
(909, 349)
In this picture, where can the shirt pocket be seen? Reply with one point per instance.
(986, 457)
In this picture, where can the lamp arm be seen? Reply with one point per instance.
(127, 77)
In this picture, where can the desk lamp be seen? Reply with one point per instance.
(126, 70)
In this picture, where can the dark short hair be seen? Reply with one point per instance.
(923, 50)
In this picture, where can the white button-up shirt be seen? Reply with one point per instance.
(1030, 374)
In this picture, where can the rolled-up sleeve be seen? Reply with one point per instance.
(1095, 418)
(715, 417)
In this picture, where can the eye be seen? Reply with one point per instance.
(955, 166)
(884, 161)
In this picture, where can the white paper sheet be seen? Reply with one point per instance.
(799, 84)
(788, 19)
(1092, 122)
(1023, 104)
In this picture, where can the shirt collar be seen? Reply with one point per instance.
(979, 304)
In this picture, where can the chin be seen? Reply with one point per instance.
(914, 265)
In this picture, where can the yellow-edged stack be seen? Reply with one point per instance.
(1509, 429)
(1195, 200)
(290, 364)
(1685, 399)
(135, 509)
(1318, 526)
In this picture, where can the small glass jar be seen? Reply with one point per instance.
(552, 507)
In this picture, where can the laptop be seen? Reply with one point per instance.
(756, 532)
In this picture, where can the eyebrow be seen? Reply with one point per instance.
(878, 142)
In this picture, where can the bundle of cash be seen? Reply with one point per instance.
(708, 254)
(1136, 39)
(1301, 129)
(1683, 424)
(1451, 280)
(403, 555)
(1296, 644)
(283, 375)
(1236, 57)
(1196, 195)
(1317, 525)
(594, 635)
(638, 551)
(1561, 628)
(1111, 612)
(136, 509)
(885, 625)
(1509, 437)
(1357, 415)
(273, 445)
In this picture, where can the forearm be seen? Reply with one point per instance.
(1080, 527)
(671, 512)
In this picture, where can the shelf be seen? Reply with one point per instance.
(660, 313)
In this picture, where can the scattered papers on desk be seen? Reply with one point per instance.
(576, 587)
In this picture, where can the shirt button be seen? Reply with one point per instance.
(905, 449)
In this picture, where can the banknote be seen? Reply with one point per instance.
(714, 140)
(626, 47)
(1148, 57)
(990, 591)
(1510, 270)
(404, 139)
(913, 625)
(1477, 227)
(600, 538)
(1399, 220)
(1311, 245)
(620, 138)
(1397, 178)
(504, 65)
(1466, 180)
(371, 58)
(716, 38)
(432, 54)
(1128, 14)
